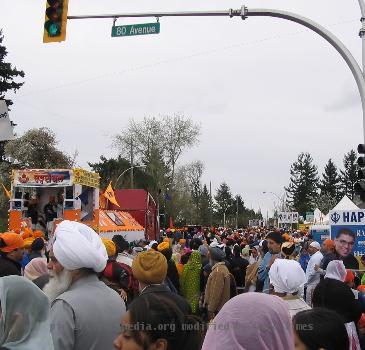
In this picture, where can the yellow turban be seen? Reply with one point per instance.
(150, 267)
(166, 240)
(110, 247)
(162, 246)
(28, 242)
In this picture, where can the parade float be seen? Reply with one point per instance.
(74, 194)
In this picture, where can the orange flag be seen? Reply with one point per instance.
(7, 192)
(109, 195)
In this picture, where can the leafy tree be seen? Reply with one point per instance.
(330, 181)
(37, 148)
(349, 174)
(302, 189)
(8, 74)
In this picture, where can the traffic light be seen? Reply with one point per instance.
(360, 184)
(55, 21)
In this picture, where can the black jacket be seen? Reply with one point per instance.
(9, 267)
(173, 275)
(177, 299)
(350, 261)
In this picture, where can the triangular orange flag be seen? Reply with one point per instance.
(109, 195)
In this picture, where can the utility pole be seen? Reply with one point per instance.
(237, 212)
(132, 172)
(210, 204)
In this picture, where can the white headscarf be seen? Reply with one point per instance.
(78, 246)
(287, 276)
(336, 270)
(24, 323)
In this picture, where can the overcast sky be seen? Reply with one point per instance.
(263, 89)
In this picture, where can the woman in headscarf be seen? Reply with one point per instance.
(24, 321)
(251, 321)
(337, 296)
(190, 280)
(287, 280)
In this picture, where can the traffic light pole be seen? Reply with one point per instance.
(244, 12)
(362, 32)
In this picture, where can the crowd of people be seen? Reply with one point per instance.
(255, 288)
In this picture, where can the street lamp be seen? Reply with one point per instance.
(132, 167)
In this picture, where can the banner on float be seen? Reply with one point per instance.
(352, 220)
(42, 178)
(288, 217)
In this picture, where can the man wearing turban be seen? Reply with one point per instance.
(85, 313)
(217, 291)
(11, 254)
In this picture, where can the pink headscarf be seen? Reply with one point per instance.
(251, 321)
(35, 268)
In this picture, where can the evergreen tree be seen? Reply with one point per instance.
(330, 181)
(204, 214)
(302, 189)
(224, 202)
(349, 174)
(8, 74)
(111, 169)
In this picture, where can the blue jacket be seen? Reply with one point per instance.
(263, 272)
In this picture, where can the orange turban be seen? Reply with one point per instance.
(349, 276)
(361, 288)
(10, 242)
(182, 241)
(27, 233)
(361, 322)
(329, 243)
(38, 234)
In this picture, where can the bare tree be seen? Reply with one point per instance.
(180, 134)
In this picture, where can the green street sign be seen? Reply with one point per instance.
(136, 29)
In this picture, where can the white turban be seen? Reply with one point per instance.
(78, 246)
(287, 276)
